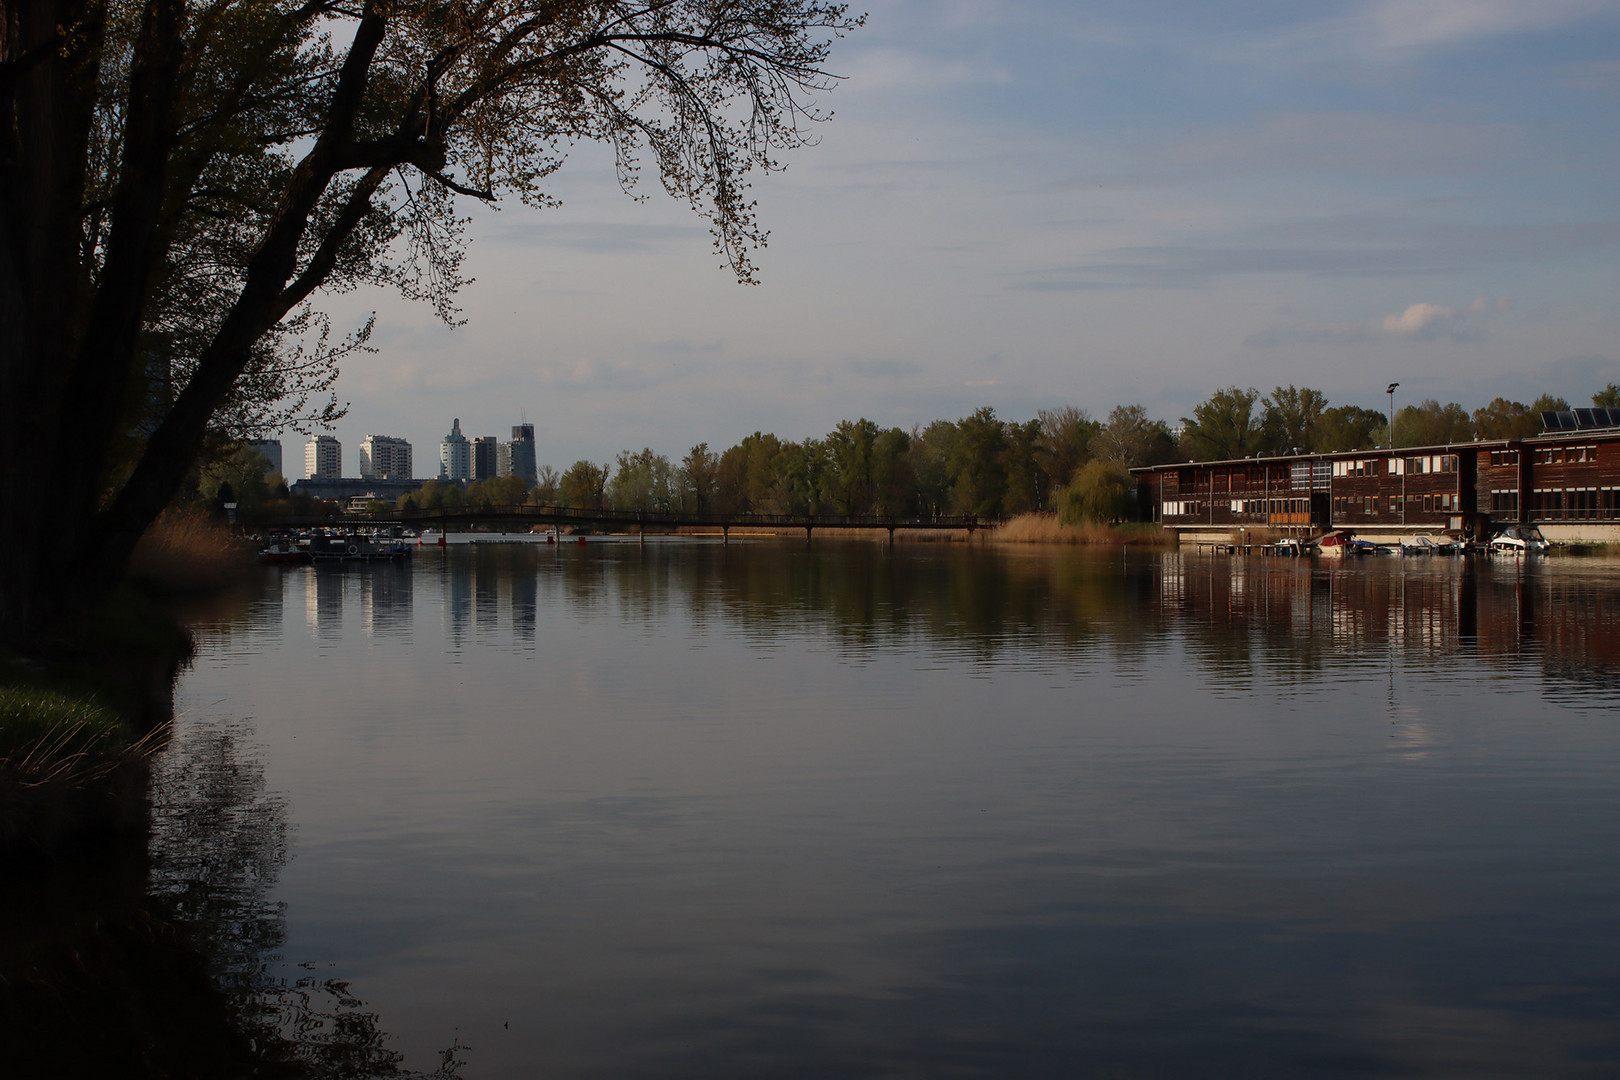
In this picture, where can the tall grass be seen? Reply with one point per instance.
(1046, 529)
(185, 552)
(51, 737)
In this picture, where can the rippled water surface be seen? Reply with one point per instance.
(769, 811)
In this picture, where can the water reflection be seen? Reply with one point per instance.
(686, 810)
(1239, 615)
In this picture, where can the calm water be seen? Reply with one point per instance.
(765, 811)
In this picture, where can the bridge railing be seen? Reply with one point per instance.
(579, 515)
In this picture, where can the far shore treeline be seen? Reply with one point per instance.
(1063, 461)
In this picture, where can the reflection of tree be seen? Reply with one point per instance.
(158, 962)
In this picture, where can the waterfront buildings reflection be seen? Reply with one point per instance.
(1238, 613)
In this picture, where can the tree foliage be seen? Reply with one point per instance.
(1290, 418)
(1224, 426)
(1348, 427)
(1100, 492)
(182, 180)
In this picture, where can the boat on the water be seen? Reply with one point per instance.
(1430, 544)
(1519, 540)
(1341, 543)
(331, 548)
(283, 553)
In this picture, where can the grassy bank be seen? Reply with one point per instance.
(76, 732)
(71, 769)
(1046, 529)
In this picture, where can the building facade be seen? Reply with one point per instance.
(517, 457)
(384, 457)
(323, 458)
(270, 450)
(485, 457)
(1567, 479)
(455, 455)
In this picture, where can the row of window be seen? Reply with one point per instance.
(1270, 506)
(1554, 503)
(1564, 455)
(1504, 457)
(1192, 507)
(1425, 463)
(1444, 503)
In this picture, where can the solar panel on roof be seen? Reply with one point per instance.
(1580, 419)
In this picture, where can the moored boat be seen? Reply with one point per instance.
(1342, 542)
(283, 553)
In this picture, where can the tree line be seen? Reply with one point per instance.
(1061, 461)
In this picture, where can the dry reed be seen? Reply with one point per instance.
(184, 552)
(1046, 529)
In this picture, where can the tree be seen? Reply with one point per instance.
(1608, 397)
(1348, 427)
(1067, 434)
(583, 486)
(1223, 426)
(179, 182)
(1132, 440)
(1504, 419)
(978, 465)
(545, 486)
(932, 449)
(851, 483)
(1431, 424)
(1100, 492)
(698, 479)
(1290, 419)
(1028, 482)
(893, 479)
(643, 481)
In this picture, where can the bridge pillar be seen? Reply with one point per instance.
(891, 536)
(641, 535)
(725, 536)
(808, 529)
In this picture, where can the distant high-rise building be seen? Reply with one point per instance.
(270, 450)
(485, 457)
(517, 456)
(383, 457)
(323, 458)
(455, 455)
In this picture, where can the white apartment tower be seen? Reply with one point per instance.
(383, 457)
(323, 458)
(455, 455)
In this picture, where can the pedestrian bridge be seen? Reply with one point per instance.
(643, 521)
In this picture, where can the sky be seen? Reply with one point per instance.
(1025, 204)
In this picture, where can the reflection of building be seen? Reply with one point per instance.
(484, 457)
(323, 458)
(517, 457)
(1567, 477)
(270, 450)
(383, 457)
(455, 455)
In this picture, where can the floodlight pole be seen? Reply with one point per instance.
(1391, 393)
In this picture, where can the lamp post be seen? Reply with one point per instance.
(1391, 393)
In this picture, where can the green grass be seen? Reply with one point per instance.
(46, 736)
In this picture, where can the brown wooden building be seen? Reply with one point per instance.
(1569, 475)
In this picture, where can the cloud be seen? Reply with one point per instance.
(1425, 320)
(1430, 24)
(1346, 141)
(1417, 318)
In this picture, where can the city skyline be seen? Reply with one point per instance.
(1024, 205)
